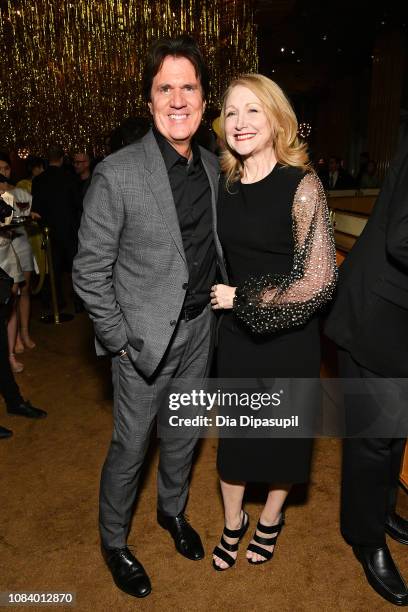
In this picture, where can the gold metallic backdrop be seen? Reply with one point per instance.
(72, 69)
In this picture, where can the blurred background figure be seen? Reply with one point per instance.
(134, 128)
(106, 145)
(35, 165)
(369, 179)
(364, 159)
(82, 164)
(130, 130)
(56, 199)
(337, 177)
(321, 169)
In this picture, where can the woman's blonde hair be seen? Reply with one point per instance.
(288, 149)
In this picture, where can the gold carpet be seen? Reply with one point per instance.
(49, 508)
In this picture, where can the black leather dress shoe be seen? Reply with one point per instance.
(382, 573)
(186, 539)
(397, 527)
(27, 410)
(5, 433)
(128, 573)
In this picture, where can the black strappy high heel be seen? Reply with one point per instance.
(267, 530)
(230, 533)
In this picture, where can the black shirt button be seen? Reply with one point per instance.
(185, 285)
(173, 322)
(195, 263)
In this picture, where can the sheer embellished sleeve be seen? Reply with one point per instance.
(271, 303)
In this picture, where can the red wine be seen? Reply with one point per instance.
(23, 205)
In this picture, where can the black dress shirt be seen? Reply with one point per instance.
(192, 197)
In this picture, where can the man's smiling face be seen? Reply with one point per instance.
(177, 103)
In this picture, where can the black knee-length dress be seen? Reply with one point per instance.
(275, 233)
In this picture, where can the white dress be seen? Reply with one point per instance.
(8, 257)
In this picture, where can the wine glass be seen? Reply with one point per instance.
(22, 206)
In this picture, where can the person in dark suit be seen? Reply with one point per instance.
(369, 323)
(147, 258)
(57, 200)
(336, 177)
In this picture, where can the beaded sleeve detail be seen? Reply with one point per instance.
(274, 302)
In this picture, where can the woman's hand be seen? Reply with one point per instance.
(35, 216)
(222, 296)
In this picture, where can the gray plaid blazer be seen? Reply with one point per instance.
(131, 266)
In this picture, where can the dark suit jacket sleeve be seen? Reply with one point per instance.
(38, 203)
(397, 226)
(75, 196)
(93, 270)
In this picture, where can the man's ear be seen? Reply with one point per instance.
(149, 104)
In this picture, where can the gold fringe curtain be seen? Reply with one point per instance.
(72, 69)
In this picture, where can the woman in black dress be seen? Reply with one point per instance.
(278, 243)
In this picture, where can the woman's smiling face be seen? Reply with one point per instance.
(247, 128)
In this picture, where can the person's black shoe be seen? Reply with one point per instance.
(27, 410)
(5, 433)
(397, 527)
(186, 539)
(382, 573)
(128, 573)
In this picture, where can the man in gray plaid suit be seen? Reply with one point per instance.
(147, 257)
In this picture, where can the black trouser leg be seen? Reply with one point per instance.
(369, 482)
(369, 475)
(8, 386)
